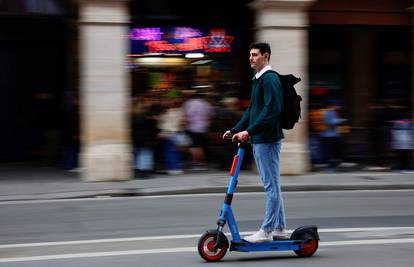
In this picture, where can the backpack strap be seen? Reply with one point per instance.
(289, 78)
(266, 72)
(271, 71)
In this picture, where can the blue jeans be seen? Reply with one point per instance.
(172, 157)
(144, 159)
(267, 158)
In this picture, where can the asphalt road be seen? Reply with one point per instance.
(357, 228)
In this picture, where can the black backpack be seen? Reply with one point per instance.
(291, 101)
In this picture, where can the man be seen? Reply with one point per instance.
(261, 124)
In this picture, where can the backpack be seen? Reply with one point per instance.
(291, 101)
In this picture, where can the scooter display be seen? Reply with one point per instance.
(213, 244)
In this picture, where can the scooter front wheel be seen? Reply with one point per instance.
(207, 246)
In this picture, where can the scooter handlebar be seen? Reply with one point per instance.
(240, 143)
(229, 136)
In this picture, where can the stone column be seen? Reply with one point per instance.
(283, 24)
(104, 90)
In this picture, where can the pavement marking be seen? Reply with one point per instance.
(99, 254)
(106, 198)
(94, 241)
(367, 242)
(189, 249)
(169, 237)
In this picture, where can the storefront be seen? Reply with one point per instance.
(361, 59)
(356, 54)
(38, 81)
(185, 58)
(178, 51)
(178, 63)
(360, 64)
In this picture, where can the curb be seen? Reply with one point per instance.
(292, 188)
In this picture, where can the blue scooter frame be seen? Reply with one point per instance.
(213, 244)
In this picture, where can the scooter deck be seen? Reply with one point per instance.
(277, 245)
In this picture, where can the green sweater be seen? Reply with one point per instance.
(262, 118)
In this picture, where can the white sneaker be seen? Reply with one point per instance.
(259, 237)
(280, 234)
(175, 172)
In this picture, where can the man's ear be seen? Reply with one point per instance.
(266, 55)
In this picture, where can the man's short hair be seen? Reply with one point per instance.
(263, 48)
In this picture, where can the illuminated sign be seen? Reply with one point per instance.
(145, 34)
(179, 40)
(218, 41)
(186, 32)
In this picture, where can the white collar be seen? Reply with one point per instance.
(260, 73)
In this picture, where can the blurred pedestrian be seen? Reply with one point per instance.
(70, 133)
(227, 115)
(170, 125)
(198, 113)
(402, 142)
(261, 123)
(330, 137)
(316, 126)
(145, 131)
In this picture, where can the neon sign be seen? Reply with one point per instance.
(179, 40)
(218, 41)
(190, 44)
(145, 34)
(186, 32)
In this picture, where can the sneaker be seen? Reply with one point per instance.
(280, 234)
(175, 172)
(259, 237)
(198, 167)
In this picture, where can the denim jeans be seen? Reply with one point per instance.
(172, 157)
(267, 157)
(144, 159)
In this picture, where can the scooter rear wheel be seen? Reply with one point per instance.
(206, 247)
(310, 247)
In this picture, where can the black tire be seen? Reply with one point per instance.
(206, 245)
(310, 247)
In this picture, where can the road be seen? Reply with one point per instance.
(360, 228)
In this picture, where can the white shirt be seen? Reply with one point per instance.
(260, 73)
(170, 121)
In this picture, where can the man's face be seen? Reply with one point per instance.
(258, 60)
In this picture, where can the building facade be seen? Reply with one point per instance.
(358, 52)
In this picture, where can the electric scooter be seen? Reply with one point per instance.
(213, 244)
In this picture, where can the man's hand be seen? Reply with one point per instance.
(241, 136)
(227, 135)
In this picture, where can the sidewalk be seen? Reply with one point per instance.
(42, 184)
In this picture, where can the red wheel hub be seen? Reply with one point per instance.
(210, 246)
(309, 248)
(208, 250)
